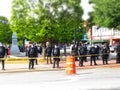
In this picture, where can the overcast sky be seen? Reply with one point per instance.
(5, 8)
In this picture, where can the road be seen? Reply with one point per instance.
(85, 79)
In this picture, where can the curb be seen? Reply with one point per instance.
(34, 70)
(23, 70)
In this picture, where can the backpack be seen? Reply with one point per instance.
(48, 50)
(93, 50)
(82, 50)
(104, 50)
(39, 49)
(32, 51)
(56, 51)
(118, 48)
(2, 50)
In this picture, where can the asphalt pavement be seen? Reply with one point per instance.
(45, 77)
(86, 79)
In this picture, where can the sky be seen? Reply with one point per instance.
(5, 8)
(87, 8)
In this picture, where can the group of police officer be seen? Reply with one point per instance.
(79, 51)
(34, 50)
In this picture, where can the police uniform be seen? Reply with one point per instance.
(2, 55)
(85, 57)
(56, 54)
(74, 51)
(81, 53)
(48, 52)
(36, 54)
(105, 55)
(93, 55)
(118, 53)
(32, 56)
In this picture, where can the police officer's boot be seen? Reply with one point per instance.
(36, 62)
(50, 61)
(54, 63)
(47, 59)
(57, 62)
(3, 65)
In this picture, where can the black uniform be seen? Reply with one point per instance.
(85, 49)
(48, 52)
(36, 54)
(56, 54)
(39, 48)
(81, 53)
(64, 50)
(118, 53)
(105, 55)
(75, 51)
(32, 55)
(93, 55)
(2, 55)
(97, 52)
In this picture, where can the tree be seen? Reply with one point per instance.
(69, 18)
(42, 21)
(64, 16)
(106, 13)
(5, 32)
(19, 16)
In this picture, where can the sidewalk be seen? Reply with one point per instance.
(22, 66)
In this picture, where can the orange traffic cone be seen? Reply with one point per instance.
(70, 65)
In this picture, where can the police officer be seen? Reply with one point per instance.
(2, 55)
(74, 51)
(93, 55)
(36, 53)
(85, 52)
(48, 52)
(81, 53)
(56, 54)
(39, 48)
(97, 51)
(64, 47)
(32, 55)
(105, 55)
(118, 53)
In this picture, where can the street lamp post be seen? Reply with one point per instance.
(91, 36)
(74, 36)
(75, 31)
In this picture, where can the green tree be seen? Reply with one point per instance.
(64, 16)
(42, 21)
(106, 13)
(5, 32)
(69, 18)
(19, 16)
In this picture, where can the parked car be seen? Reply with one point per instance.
(68, 50)
(112, 48)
